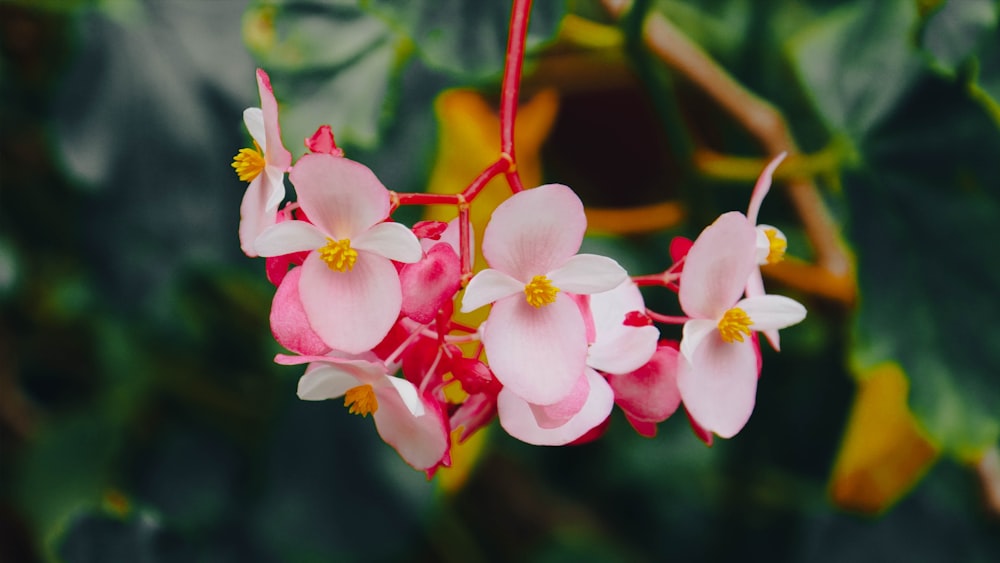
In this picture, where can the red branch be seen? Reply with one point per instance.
(510, 89)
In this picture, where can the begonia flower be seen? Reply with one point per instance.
(415, 428)
(771, 242)
(535, 335)
(263, 166)
(718, 371)
(648, 395)
(587, 406)
(349, 286)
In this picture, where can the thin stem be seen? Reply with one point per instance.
(425, 199)
(666, 319)
(511, 87)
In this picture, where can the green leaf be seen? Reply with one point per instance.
(857, 62)
(467, 38)
(923, 223)
(330, 63)
(954, 32)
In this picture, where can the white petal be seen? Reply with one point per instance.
(588, 273)
(769, 312)
(626, 351)
(287, 237)
(487, 287)
(254, 120)
(695, 331)
(408, 393)
(391, 240)
(275, 186)
(325, 381)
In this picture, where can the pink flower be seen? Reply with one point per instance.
(771, 242)
(535, 336)
(349, 288)
(718, 369)
(264, 167)
(415, 428)
(649, 394)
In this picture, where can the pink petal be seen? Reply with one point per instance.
(769, 312)
(391, 240)
(476, 412)
(351, 310)
(275, 153)
(553, 416)
(587, 274)
(487, 286)
(288, 237)
(761, 188)
(429, 283)
(644, 428)
(422, 441)
(694, 332)
(255, 217)
(289, 323)
(517, 419)
(718, 266)
(534, 231)
(649, 393)
(407, 393)
(719, 385)
(537, 354)
(342, 197)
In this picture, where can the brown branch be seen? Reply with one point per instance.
(759, 118)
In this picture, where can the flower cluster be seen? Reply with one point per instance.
(369, 306)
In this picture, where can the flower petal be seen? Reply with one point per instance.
(351, 310)
(649, 393)
(407, 393)
(342, 197)
(719, 385)
(391, 240)
(274, 187)
(534, 231)
(755, 287)
(536, 353)
(487, 286)
(694, 332)
(718, 266)
(555, 415)
(275, 153)
(588, 273)
(289, 323)
(288, 237)
(255, 217)
(618, 348)
(323, 381)
(769, 312)
(517, 419)
(420, 440)
(762, 187)
(253, 118)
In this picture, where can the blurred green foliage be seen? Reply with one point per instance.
(141, 417)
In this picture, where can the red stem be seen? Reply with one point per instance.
(510, 89)
(427, 199)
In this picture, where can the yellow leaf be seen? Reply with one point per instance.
(884, 452)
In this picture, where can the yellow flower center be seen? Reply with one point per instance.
(338, 254)
(249, 163)
(734, 324)
(540, 291)
(361, 400)
(778, 246)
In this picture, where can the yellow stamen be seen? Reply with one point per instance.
(778, 246)
(249, 163)
(361, 400)
(540, 291)
(338, 254)
(734, 324)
